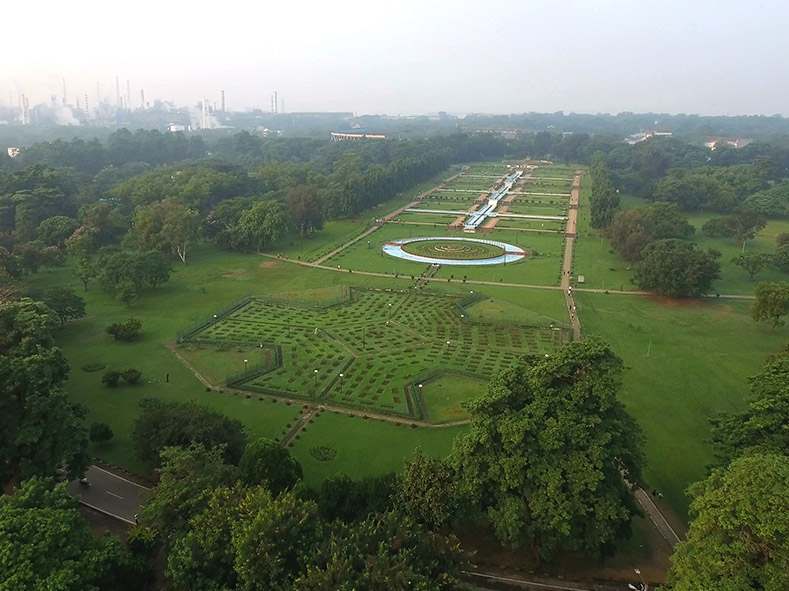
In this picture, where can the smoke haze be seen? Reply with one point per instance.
(707, 57)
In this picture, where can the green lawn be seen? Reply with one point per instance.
(366, 447)
(443, 396)
(686, 361)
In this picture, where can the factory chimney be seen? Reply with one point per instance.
(223, 101)
(64, 91)
(117, 92)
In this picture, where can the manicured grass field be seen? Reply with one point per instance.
(542, 266)
(368, 351)
(443, 396)
(454, 249)
(686, 360)
(366, 447)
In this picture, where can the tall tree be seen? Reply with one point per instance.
(677, 268)
(166, 225)
(266, 462)
(738, 537)
(306, 209)
(187, 476)
(762, 426)
(64, 303)
(753, 262)
(163, 424)
(264, 222)
(741, 226)
(543, 457)
(633, 229)
(46, 544)
(772, 302)
(40, 429)
(428, 491)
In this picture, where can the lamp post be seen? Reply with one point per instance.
(341, 376)
(315, 391)
(390, 313)
(246, 361)
(215, 318)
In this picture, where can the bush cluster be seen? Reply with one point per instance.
(112, 377)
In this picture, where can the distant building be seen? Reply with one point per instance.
(173, 127)
(355, 134)
(739, 142)
(645, 135)
(14, 152)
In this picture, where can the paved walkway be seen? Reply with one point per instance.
(657, 517)
(567, 265)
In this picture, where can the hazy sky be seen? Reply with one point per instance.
(407, 57)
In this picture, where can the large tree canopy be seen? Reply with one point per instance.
(266, 462)
(46, 544)
(633, 229)
(39, 428)
(739, 537)
(164, 424)
(763, 426)
(677, 268)
(546, 446)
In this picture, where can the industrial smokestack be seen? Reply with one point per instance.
(64, 91)
(223, 101)
(87, 111)
(276, 101)
(117, 92)
(25, 110)
(142, 98)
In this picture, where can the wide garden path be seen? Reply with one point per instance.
(567, 266)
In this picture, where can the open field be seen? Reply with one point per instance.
(686, 361)
(366, 447)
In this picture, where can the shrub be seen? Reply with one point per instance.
(125, 331)
(111, 378)
(95, 366)
(131, 376)
(323, 453)
(100, 432)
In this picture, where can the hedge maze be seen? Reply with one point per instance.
(379, 340)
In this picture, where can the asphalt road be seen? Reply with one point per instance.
(109, 494)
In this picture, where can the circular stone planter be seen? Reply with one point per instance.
(454, 251)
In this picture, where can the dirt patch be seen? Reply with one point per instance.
(674, 302)
(235, 273)
(269, 264)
